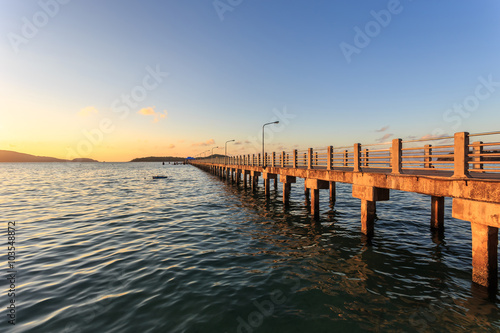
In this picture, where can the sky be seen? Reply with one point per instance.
(115, 80)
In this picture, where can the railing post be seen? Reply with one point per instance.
(264, 160)
(282, 159)
(427, 156)
(346, 158)
(477, 150)
(253, 159)
(310, 158)
(294, 159)
(329, 158)
(461, 155)
(357, 151)
(396, 156)
(259, 160)
(274, 159)
(365, 155)
(316, 158)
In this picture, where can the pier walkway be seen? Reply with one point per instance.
(451, 167)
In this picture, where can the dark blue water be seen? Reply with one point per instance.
(104, 248)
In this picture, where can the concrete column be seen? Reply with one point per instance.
(367, 217)
(245, 174)
(332, 192)
(238, 176)
(287, 186)
(315, 185)
(437, 213)
(484, 255)
(485, 220)
(428, 156)
(255, 179)
(369, 195)
(267, 177)
(310, 158)
(396, 156)
(315, 203)
(357, 148)
(329, 158)
(461, 155)
(266, 186)
(477, 150)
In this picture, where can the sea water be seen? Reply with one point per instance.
(102, 247)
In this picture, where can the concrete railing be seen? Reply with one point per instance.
(449, 154)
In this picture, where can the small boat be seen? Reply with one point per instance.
(159, 177)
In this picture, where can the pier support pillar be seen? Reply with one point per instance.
(267, 177)
(485, 220)
(306, 191)
(369, 195)
(255, 179)
(287, 187)
(315, 185)
(332, 193)
(437, 213)
(368, 217)
(238, 176)
(245, 174)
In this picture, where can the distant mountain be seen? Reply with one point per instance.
(12, 156)
(159, 159)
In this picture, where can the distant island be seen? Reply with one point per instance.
(159, 159)
(13, 156)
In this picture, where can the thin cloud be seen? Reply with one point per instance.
(203, 144)
(384, 138)
(88, 111)
(383, 129)
(150, 111)
(432, 136)
(172, 146)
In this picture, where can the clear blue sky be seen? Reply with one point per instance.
(233, 64)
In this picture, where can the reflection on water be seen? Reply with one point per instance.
(106, 248)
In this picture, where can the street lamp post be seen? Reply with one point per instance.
(213, 152)
(225, 150)
(263, 160)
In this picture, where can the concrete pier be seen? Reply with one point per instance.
(465, 173)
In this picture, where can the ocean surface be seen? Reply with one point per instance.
(102, 247)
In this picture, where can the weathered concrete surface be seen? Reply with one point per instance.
(316, 184)
(370, 193)
(478, 212)
(484, 255)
